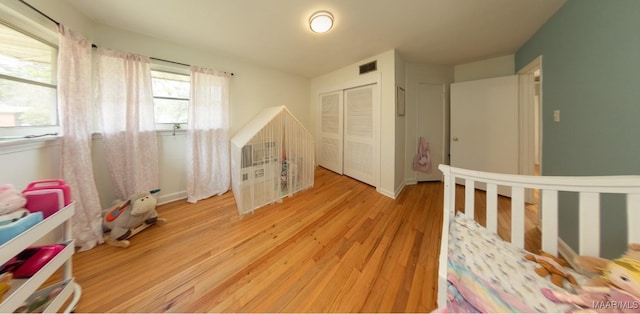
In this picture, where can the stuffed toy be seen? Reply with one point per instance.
(552, 266)
(598, 265)
(129, 218)
(11, 199)
(616, 288)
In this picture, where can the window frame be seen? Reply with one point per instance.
(25, 21)
(171, 68)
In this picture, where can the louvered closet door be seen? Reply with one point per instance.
(360, 133)
(330, 131)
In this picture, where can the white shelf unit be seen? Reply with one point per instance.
(21, 289)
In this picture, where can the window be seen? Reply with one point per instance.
(170, 96)
(27, 80)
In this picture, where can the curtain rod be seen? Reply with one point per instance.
(40, 12)
(165, 60)
(94, 45)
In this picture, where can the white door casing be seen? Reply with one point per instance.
(526, 94)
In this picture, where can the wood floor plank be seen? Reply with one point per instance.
(338, 247)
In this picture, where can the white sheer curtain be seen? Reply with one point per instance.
(208, 174)
(125, 105)
(74, 99)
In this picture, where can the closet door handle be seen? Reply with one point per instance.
(455, 139)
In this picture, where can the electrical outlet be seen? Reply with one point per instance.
(556, 115)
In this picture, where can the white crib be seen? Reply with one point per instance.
(589, 189)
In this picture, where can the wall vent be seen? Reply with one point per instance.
(369, 67)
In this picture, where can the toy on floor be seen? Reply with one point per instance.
(130, 218)
(616, 288)
(552, 266)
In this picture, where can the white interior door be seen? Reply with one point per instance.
(360, 133)
(431, 126)
(330, 131)
(484, 124)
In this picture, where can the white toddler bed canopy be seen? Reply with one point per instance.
(272, 156)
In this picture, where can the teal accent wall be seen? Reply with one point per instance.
(591, 73)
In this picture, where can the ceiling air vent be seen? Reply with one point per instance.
(369, 67)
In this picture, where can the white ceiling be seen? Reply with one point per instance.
(275, 33)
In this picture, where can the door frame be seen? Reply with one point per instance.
(527, 125)
(527, 118)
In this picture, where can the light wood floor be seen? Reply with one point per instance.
(338, 247)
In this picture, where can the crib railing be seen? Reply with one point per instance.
(588, 188)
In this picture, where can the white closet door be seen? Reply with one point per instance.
(330, 131)
(360, 153)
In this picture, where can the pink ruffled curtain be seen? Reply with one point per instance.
(208, 173)
(125, 106)
(74, 100)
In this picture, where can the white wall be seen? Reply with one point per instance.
(349, 77)
(252, 88)
(401, 122)
(416, 74)
(172, 160)
(24, 161)
(488, 68)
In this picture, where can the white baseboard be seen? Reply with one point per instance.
(410, 182)
(386, 193)
(390, 194)
(398, 190)
(168, 198)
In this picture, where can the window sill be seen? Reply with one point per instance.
(171, 132)
(8, 146)
(20, 144)
(181, 132)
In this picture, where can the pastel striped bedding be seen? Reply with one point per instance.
(487, 274)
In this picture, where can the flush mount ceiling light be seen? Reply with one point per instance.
(321, 21)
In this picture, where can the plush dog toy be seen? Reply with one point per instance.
(551, 266)
(129, 218)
